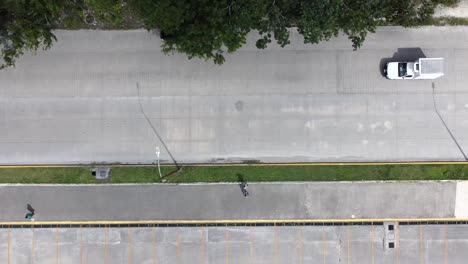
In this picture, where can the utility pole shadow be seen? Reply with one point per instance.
(157, 134)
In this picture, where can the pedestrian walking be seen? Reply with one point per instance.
(244, 186)
(29, 216)
(244, 189)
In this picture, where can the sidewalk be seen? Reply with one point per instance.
(226, 202)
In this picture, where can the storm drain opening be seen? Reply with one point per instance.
(390, 235)
(100, 173)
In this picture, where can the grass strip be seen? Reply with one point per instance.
(251, 173)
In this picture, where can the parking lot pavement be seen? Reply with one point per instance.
(237, 244)
(302, 200)
(79, 103)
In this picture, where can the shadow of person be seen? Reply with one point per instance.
(30, 208)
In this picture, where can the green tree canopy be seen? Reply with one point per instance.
(26, 25)
(208, 29)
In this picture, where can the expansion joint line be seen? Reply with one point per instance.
(445, 124)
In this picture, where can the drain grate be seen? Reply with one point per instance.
(100, 173)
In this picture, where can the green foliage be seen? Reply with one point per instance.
(277, 20)
(26, 25)
(360, 17)
(109, 11)
(319, 20)
(208, 29)
(204, 29)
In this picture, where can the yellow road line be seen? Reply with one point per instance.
(57, 244)
(372, 245)
(326, 164)
(324, 239)
(299, 246)
(251, 245)
(129, 246)
(235, 221)
(347, 237)
(154, 245)
(203, 244)
(227, 245)
(38, 166)
(81, 245)
(397, 244)
(445, 245)
(245, 164)
(8, 245)
(105, 244)
(421, 245)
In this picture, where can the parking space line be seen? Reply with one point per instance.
(348, 240)
(421, 245)
(275, 245)
(324, 239)
(105, 244)
(154, 245)
(299, 247)
(57, 244)
(178, 246)
(397, 244)
(203, 244)
(32, 247)
(251, 245)
(445, 245)
(8, 245)
(372, 244)
(81, 245)
(129, 244)
(227, 244)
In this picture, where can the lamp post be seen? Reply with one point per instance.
(159, 167)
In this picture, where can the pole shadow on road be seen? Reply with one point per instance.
(404, 55)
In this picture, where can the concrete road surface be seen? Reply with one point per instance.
(79, 102)
(269, 201)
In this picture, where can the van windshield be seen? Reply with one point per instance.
(401, 69)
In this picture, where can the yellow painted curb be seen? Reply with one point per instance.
(244, 164)
(242, 221)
